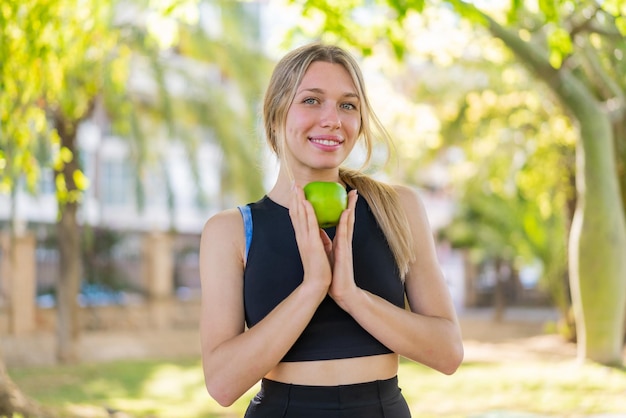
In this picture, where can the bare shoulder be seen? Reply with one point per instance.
(410, 200)
(416, 214)
(405, 192)
(223, 234)
(225, 222)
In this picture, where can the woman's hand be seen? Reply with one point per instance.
(341, 256)
(313, 243)
(328, 263)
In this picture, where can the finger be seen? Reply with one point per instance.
(328, 244)
(293, 205)
(346, 221)
(303, 217)
(297, 211)
(311, 219)
(352, 198)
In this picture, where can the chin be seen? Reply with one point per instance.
(326, 164)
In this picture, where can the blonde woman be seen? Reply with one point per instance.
(321, 316)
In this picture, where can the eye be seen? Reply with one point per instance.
(348, 106)
(310, 100)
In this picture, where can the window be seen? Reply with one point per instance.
(117, 183)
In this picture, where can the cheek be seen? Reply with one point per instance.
(354, 127)
(296, 119)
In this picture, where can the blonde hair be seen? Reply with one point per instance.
(382, 198)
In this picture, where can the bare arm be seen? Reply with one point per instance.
(429, 332)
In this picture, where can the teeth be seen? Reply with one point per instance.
(325, 142)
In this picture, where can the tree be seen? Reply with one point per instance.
(497, 131)
(514, 133)
(577, 49)
(79, 55)
(61, 59)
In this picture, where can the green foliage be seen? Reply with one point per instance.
(62, 61)
(511, 207)
(560, 45)
(53, 58)
(469, 11)
(549, 9)
(357, 23)
(59, 59)
(227, 71)
(25, 135)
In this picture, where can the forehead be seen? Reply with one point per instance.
(326, 75)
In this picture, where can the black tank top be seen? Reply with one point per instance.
(274, 269)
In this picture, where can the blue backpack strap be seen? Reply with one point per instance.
(247, 225)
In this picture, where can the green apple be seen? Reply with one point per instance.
(328, 199)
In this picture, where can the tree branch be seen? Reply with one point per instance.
(586, 22)
(597, 72)
(573, 93)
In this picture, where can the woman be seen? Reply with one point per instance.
(317, 315)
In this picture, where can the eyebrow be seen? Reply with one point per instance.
(321, 91)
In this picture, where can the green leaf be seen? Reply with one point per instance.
(560, 45)
(549, 9)
(80, 180)
(620, 23)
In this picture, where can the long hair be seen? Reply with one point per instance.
(382, 198)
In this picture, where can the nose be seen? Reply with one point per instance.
(330, 117)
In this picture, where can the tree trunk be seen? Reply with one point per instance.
(13, 401)
(597, 247)
(68, 235)
(598, 236)
(68, 286)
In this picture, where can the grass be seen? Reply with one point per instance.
(175, 389)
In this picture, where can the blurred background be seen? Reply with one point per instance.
(126, 124)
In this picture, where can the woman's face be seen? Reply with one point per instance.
(324, 119)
